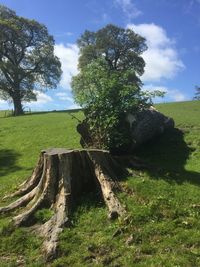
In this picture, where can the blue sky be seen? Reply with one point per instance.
(171, 28)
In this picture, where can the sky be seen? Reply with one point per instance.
(171, 29)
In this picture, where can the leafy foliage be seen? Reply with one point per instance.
(108, 86)
(106, 97)
(121, 48)
(27, 60)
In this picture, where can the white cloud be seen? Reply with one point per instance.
(155, 35)
(69, 59)
(161, 57)
(129, 8)
(170, 94)
(73, 106)
(2, 102)
(64, 97)
(4, 105)
(176, 95)
(42, 98)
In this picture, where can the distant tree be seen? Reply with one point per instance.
(27, 60)
(108, 84)
(197, 93)
(121, 48)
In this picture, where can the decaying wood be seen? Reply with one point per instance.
(31, 182)
(104, 175)
(60, 177)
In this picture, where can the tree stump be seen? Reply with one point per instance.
(59, 178)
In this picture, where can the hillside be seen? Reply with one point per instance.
(163, 202)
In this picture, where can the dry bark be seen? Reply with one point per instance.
(60, 177)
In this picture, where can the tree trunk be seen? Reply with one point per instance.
(18, 110)
(60, 177)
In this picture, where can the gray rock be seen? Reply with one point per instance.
(148, 124)
(141, 127)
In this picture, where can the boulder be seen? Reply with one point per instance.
(147, 124)
(141, 127)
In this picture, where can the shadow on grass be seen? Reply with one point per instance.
(92, 199)
(167, 156)
(8, 160)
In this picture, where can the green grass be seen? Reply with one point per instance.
(163, 223)
(5, 113)
(22, 138)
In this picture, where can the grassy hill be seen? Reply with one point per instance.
(163, 203)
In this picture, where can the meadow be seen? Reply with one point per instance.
(163, 201)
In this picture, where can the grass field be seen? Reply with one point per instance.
(163, 203)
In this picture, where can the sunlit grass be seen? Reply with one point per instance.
(162, 226)
(22, 138)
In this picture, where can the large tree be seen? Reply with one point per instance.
(121, 48)
(27, 60)
(108, 86)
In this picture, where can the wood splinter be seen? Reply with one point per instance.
(59, 178)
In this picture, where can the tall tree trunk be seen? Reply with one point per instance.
(18, 110)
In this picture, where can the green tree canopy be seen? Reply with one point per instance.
(27, 60)
(108, 84)
(121, 48)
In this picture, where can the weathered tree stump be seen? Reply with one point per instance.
(59, 178)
